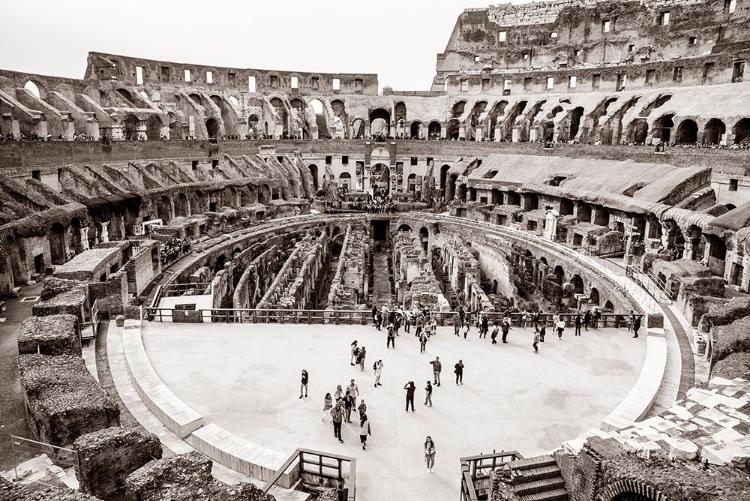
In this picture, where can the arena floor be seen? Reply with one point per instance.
(245, 378)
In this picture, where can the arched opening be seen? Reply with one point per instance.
(663, 128)
(181, 206)
(444, 176)
(130, 128)
(433, 130)
(741, 131)
(339, 118)
(548, 131)
(400, 111)
(638, 131)
(358, 128)
(496, 197)
(632, 496)
(380, 121)
(320, 118)
(380, 179)
(229, 197)
(730, 207)
(594, 296)
(577, 283)
(560, 274)
(253, 125)
(127, 96)
(424, 236)
(314, 173)
(212, 128)
(687, 132)
(450, 189)
(566, 207)
(196, 98)
(197, 203)
(452, 130)
(247, 196)
(220, 262)
(497, 112)
(153, 132)
(280, 109)
(164, 209)
(575, 122)
(412, 183)
(404, 227)
(415, 129)
(57, 244)
(714, 131)
(608, 306)
(512, 198)
(175, 130)
(264, 194)
(33, 88)
(345, 181)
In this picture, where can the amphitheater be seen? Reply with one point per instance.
(178, 242)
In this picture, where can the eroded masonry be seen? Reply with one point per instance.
(569, 156)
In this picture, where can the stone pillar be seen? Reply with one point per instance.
(367, 129)
(689, 252)
(191, 125)
(516, 133)
(533, 133)
(462, 132)
(479, 135)
(85, 238)
(92, 129)
(164, 131)
(392, 129)
(68, 130)
(443, 131)
(550, 225)
(498, 133)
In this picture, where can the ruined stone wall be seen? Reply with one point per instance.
(414, 275)
(350, 279)
(465, 271)
(50, 335)
(106, 457)
(255, 279)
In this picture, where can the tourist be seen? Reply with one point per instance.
(353, 389)
(436, 368)
(339, 393)
(385, 314)
(420, 326)
(560, 327)
(348, 406)
(362, 409)
(542, 331)
(485, 326)
(422, 342)
(391, 337)
(495, 332)
(410, 389)
(378, 370)
(636, 326)
(587, 319)
(361, 359)
(456, 324)
(522, 320)
(374, 316)
(429, 453)
(459, 370)
(337, 413)
(428, 394)
(407, 320)
(466, 329)
(327, 404)
(505, 327)
(364, 430)
(595, 318)
(578, 321)
(461, 314)
(355, 352)
(536, 342)
(631, 320)
(303, 385)
(536, 318)
(433, 327)
(378, 319)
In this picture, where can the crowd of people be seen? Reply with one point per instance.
(173, 249)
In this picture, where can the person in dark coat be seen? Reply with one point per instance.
(410, 388)
(459, 370)
(636, 326)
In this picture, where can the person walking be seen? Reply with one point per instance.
(536, 317)
(422, 342)
(587, 319)
(578, 321)
(536, 342)
(378, 371)
(339, 393)
(410, 389)
(327, 405)
(456, 324)
(364, 430)
(429, 453)
(355, 352)
(631, 320)
(391, 337)
(595, 318)
(459, 370)
(505, 328)
(485, 326)
(428, 394)
(303, 384)
(348, 406)
(378, 319)
(361, 359)
(542, 332)
(374, 315)
(337, 413)
(495, 332)
(353, 389)
(560, 327)
(436, 368)
(636, 326)
(466, 329)
(362, 409)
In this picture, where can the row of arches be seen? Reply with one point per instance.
(688, 131)
(168, 207)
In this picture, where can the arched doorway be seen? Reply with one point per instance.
(594, 296)
(175, 130)
(687, 132)
(433, 131)
(57, 243)
(164, 209)
(130, 128)
(380, 121)
(713, 132)
(415, 129)
(444, 176)
(663, 128)
(181, 206)
(741, 131)
(33, 88)
(404, 227)
(424, 236)
(380, 179)
(345, 181)
(212, 128)
(314, 173)
(153, 132)
(577, 283)
(575, 122)
(358, 128)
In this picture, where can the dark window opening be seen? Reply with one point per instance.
(274, 81)
(527, 82)
(329, 160)
(708, 70)
(214, 164)
(212, 206)
(650, 76)
(738, 72)
(733, 184)
(165, 73)
(429, 160)
(315, 83)
(596, 81)
(677, 76)
(345, 160)
(231, 78)
(195, 165)
(36, 174)
(414, 160)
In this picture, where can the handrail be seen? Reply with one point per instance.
(341, 481)
(472, 469)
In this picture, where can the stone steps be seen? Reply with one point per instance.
(554, 495)
(538, 479)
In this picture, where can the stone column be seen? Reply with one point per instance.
(516, 133)
(479, 135)
(498, 133)
(462, 132)
(104, 237)
(85, 238)
(443, 131)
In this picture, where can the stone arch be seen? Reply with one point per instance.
(221, 260)
(345, 179)
(713, 131)
(577, 282)
(404, 227)
(358, 128)
(444, 176)
(560, 274)
(314, 173)
(638, 131)
(608, 306)
(181, 208)
(246, 196)
(197, 202)
(576, 114)
(452, 129)
(497, 111)
(687, 132)
(450, 188)
(594, 296)
(380, 121)
(212, 127)
(164, 209)
(399, 111)
(631, 490)
(153, 130)
(126, 95)
(741, 131)
(434, 130)
(229, 196)
(264, 193)
(175, 130)
(414, 130)
(663, 127)
(130, 127)
(36, 88)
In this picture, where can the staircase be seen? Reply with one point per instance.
(538, 479)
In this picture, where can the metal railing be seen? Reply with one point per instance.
(60, 456)
(192, 289)
(651, 283)
(322, 469)
(363, 317)
(475, 470)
